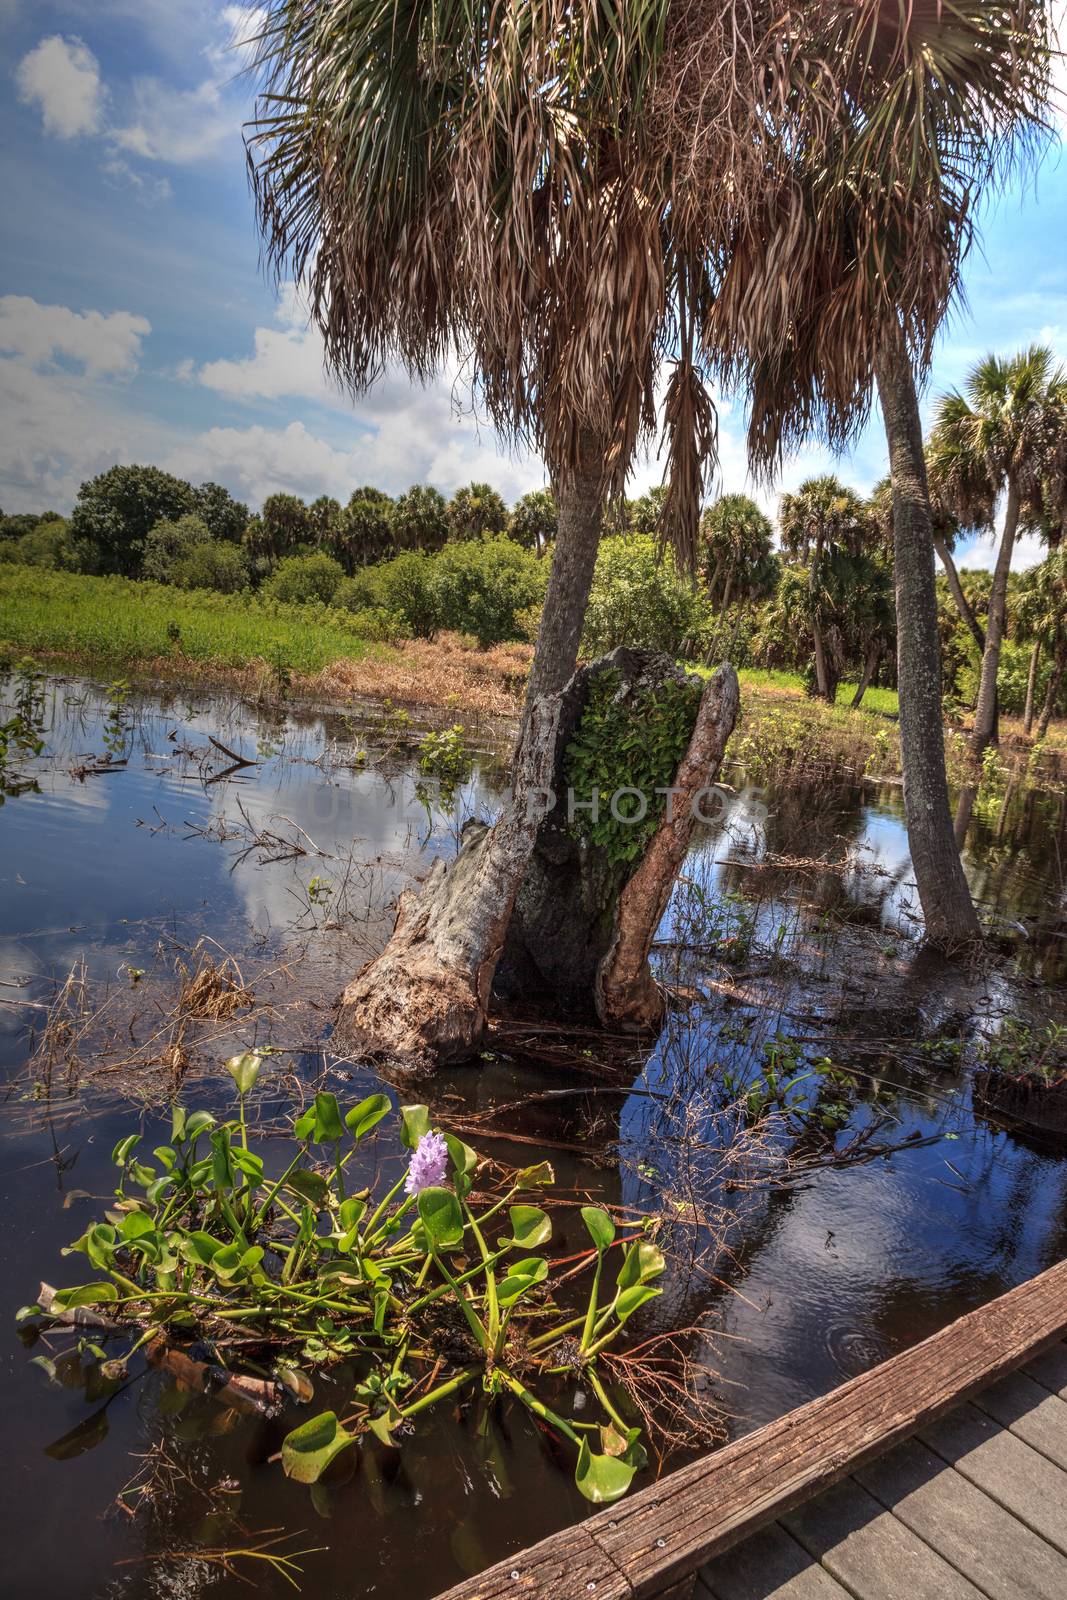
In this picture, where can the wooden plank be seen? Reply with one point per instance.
(565, 1566)
(872, 1554)
(769, 1566)
(1050, 1370)
(1004, 1559)
(1007, 1469)
(1022, 1405)
(702, 1509)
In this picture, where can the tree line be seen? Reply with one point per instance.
(819, 599)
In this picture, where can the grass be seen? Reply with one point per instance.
(882, 701)
(126, 623)
(249, 643)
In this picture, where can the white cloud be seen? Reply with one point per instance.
(178, 126)
(286, 361)
(62, 77)
(981, 556)
(148, 190)
(184, 126)
(39, 335)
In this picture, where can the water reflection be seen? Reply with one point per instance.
(801, 930)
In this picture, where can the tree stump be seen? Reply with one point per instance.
(587, 911)
(542, 906)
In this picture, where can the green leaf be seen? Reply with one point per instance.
(121, 1153)
(522, 1275)
(538, 1177)
(244, 1070)
(200, 1248)
(328, 1125)
(86, 1294)
(310, 1449)
(599, 1226)
(199, 1122)
(414, 1123)
(530, 1226)
(310, 1186)
(602, 1479)
(631, 1300)
(367, 1115)
(135, 1224)
(442, 1218)
(98, 1243)
(350, 1212)
(463, 1158)
(642, 1262)
(222, 1170)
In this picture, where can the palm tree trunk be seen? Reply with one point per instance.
(581, 516)
(963, 605)
(1059, 666)
(1031, 686)
(946, 901)
(822, 677)
(870, 667)
(985, 713)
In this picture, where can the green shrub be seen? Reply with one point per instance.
(373, 623)
(51, 544)
(211, 565)
(404, 587)
(484, 586)
(300, 579)
(170, 541)
(640, 598)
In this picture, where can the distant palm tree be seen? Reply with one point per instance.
(736, 544)
(1042, 617)
(821, 521)
(989, 446)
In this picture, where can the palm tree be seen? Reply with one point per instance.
(736, 544)
(842, 279)
(1042, 617)
(516, 183)
(945, 530)
(823, 520)
(989, 446)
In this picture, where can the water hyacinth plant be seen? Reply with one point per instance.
(422, 1293)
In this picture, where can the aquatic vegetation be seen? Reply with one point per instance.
(1018, 1049)
(203, 1248)
(21, 734)
(446, 756)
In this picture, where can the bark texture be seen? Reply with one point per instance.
(424, 1000)
(985, 712)
(581, 516)
(1059, 667)
(947, 908)
(963, 605)
(1031, 687)
(626, 993)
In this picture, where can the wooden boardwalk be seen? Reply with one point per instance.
(939, 1475)
(974, 1506)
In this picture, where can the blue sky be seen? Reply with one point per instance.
(136, 323)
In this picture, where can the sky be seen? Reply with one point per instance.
(137, 323)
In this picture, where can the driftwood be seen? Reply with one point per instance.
(259, 1396)
(572, 927)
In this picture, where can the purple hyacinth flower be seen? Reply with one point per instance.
(428, 1164)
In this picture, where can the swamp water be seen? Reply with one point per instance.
(876, 1203)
